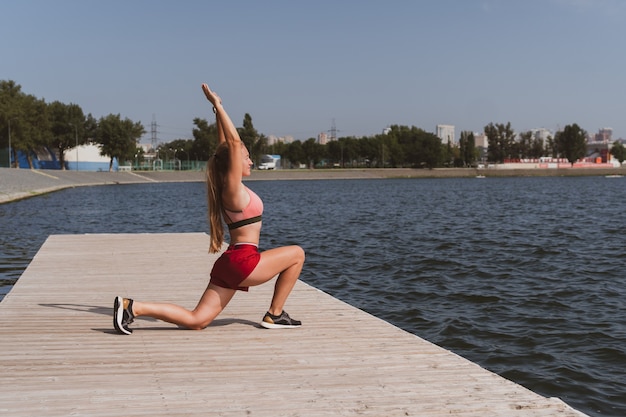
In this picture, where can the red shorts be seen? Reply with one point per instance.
(235, 265)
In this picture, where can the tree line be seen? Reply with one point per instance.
(569, 143)
(400, 146)
(34, 123)
(31, 123)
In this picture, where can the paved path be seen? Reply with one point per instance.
(17, 184)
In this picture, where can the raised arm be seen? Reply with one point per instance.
(220, 131)
(226, 128)
(235, 195)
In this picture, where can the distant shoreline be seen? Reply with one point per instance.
(17, 184)
(288, 174)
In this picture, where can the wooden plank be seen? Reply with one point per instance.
(61, 356)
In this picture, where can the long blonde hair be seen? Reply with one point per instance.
(217, 168)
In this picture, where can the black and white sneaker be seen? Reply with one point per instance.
(123, 314)
(283, 321)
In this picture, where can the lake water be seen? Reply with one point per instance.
(524, 276)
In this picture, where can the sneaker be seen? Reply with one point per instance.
(123, 314)
(283, 321)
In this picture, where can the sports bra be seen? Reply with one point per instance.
(252, 213)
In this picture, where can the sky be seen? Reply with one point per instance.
(301, 67)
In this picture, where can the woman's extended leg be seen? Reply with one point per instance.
(287, 262)
(212, 302)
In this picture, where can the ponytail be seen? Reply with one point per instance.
(217, 167)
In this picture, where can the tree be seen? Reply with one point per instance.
(572, 143)
(35, 129)
(551, 148)
(431, 150)
(10, 96)
(295, 153)
(334, 150)
(370, 149)
(251, 138)
(178, 149)
(67, 127)
(618, 151)
(118, 137)
(205, 139)
(467, 148)
(500, 139)
(27, 117)
(313, 151)
(36, 124)
(396, 153)
(536, 148)
(406, 139)
(450, 154)
(524, 145)
(281, 148)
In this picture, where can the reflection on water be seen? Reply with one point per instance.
(524, 276)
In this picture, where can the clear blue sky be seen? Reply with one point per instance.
(294, 66)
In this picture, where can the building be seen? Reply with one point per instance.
(87, 157)
(273, 139)
(322, 138)
(542, 134)
(604, 135)
(480, 140)
(446, 134)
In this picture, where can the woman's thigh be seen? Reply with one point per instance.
(273, 262)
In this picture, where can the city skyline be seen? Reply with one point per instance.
(304, 69)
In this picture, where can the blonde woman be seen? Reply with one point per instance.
(241, 265)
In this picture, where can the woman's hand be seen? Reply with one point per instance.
(211, 95)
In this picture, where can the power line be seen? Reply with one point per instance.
(153, 132)
(333, 131)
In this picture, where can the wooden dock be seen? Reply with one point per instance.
(61, 357)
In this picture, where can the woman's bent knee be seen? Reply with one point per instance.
(199, 324)
(202, 319)
(299, 253)
(198, 327)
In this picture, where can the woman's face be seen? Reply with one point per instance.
(247, 163)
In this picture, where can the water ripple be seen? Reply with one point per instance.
(524, 276)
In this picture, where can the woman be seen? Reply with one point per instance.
(241, 265)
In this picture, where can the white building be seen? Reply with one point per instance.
(322, 138)
(273, 139)
(446, 134)
(480, 140)
(87, 157)
(542, 134)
